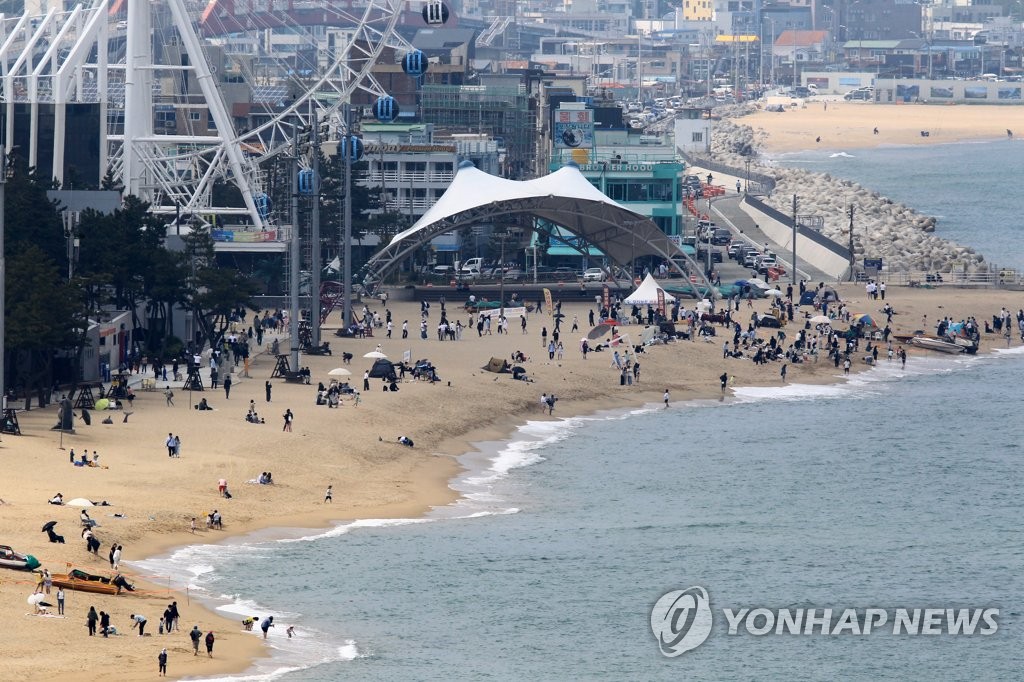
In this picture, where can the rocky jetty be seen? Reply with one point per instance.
(883, 228)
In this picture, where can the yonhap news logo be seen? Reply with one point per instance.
(682, 620)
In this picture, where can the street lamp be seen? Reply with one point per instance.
(71, 220)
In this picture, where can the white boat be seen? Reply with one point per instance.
(937, 344)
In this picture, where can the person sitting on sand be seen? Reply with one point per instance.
(406, 441)
(57, 499)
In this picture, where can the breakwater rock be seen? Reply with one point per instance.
(883, 228)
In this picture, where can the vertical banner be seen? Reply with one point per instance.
(606, 298)
(547, 301)
(661, 301)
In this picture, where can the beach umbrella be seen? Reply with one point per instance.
(339, 372)
(376, 354)
(102, 404)
(35, 598)
(599, 331)
(821, 319)
(864, 319)
(79, 502)
(774, 292)
(48, 526)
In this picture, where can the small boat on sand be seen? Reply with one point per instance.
(932, 343)
(85, 582)
(20, 562)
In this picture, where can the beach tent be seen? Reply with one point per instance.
(382, 369)
(496, 365)
(647, 293)
(79, 502)
(807, 298)
(827, 294)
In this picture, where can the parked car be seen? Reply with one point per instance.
(859, 96)
(593, 275)
(512, 274)
(750, 259)
(442, 271)
(471, 273)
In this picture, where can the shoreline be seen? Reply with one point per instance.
(492, 440)
(373, 479)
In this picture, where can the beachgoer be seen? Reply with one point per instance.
(105, 624)
(267, 623)
(192, 525)
(290, 631)
(666, 397)
(227, 387)
(60, 601)
(170, 444)
(169, 396)
(138, 620)
(195, 635)
(782, 372)
(288, 416)
(267, 387)
(329, 497)
(209, 643)
(161, 660)
(90, 620)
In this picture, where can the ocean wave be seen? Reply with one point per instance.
(841, 155)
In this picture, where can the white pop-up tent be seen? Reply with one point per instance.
(647, 293)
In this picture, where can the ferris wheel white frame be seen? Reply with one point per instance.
(174, 173)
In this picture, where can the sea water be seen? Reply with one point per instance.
(970, 187)
(894, 489)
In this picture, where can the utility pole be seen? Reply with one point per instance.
(793, 275)
(346, 239)
(296, 262)
(852, 261)
(314, 231)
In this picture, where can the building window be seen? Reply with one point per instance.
(194, 116)
(697, 137)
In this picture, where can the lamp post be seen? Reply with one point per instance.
(792, 278)
(71, 219)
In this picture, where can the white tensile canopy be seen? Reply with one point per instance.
(564, 198)
(647, 293)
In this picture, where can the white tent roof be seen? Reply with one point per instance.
(564, 197)
(647, 293)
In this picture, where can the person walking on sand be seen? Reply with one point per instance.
(104, 623)
(90, 620)
(192, 525)
(115, 557)
(287, 421)
(169, 396)
(724, 379)
(329, 496)
(170, 444)
(782, 373)
(666, 397)
(195, 635)
(267, 386)
(209, 643)
(227, 387)
(161, 661)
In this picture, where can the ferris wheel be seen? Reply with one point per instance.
(176, 173)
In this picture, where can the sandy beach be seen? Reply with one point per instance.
(850, 125)
(352, 448)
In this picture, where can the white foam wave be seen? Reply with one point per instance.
(354, 525)
(842, 155)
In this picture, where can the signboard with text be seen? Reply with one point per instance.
(574, 129)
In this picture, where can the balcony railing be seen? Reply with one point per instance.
(250, 236)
